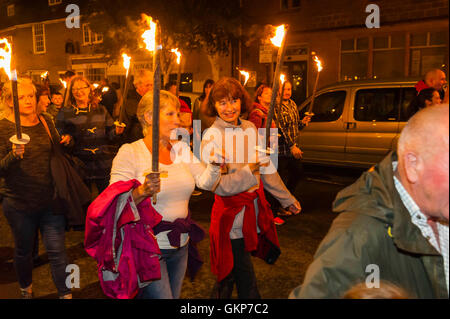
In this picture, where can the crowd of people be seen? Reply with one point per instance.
(395, 216)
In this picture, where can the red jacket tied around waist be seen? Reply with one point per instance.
(264, 245)
(134, 259)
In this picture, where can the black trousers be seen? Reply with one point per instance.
(243, 275)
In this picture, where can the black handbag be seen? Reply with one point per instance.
(71, 193)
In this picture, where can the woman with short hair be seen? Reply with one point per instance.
(173, 190)
(27, 190)
(242, 222)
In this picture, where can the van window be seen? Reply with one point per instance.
(408, 95)
(377, 105)
(327, 107)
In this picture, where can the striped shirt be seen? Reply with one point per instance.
(289, 123)
(420, 220)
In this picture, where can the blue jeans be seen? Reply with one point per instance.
(173, 264)
(24, 226)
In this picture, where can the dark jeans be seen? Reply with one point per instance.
(24, 226)
(242, 274)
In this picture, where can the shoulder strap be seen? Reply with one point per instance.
(42, 119)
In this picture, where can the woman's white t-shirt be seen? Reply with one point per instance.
(134, 161)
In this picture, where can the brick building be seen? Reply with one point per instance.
(412, 38)
(43, 42)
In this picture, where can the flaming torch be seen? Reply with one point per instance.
(5, 63)
(319, 69)
(126, 65)
(279, 40)
(246, 76)
(66, 95)
(151, 38)
(178, 54)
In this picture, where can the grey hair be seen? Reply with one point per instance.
(145, 106)
(6, 95)
(140, 75)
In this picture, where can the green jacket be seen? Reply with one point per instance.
(374, 227)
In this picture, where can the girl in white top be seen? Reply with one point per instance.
(133, 161)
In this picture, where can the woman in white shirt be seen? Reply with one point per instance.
(133, 161)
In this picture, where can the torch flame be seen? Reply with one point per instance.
(282, 78)
(126, 61)
(95, 85)
(44, 75)
(63, 83)
(178, 54)
(105, 89)
(5, 57)
(246, 74)
(279, 36)
(319, 63)
(149, 36)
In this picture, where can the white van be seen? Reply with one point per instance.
(355, 123)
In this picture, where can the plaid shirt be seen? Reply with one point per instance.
(420, 220)
(289, 123)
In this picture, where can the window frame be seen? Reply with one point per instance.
(355, 50)
(10, 8)
(33, 31)
(54, 2)
(94, 38)
(289, 5)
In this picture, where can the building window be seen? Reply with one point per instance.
(54, 2)
(90, 37)
(389, 56)
(354, 58)
(428, 51)
(290, 4)
(10, 10)
(96, 75)
(39, 38)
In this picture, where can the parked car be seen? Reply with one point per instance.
(356, 123)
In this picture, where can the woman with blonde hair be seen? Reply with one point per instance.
(87, 123)
(182, 174)
(27, 190)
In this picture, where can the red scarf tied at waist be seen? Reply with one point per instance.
(264, 245)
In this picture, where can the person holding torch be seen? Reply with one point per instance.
(173, 185)
(28, 189)
(289, 152)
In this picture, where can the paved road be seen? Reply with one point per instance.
(299, 238)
